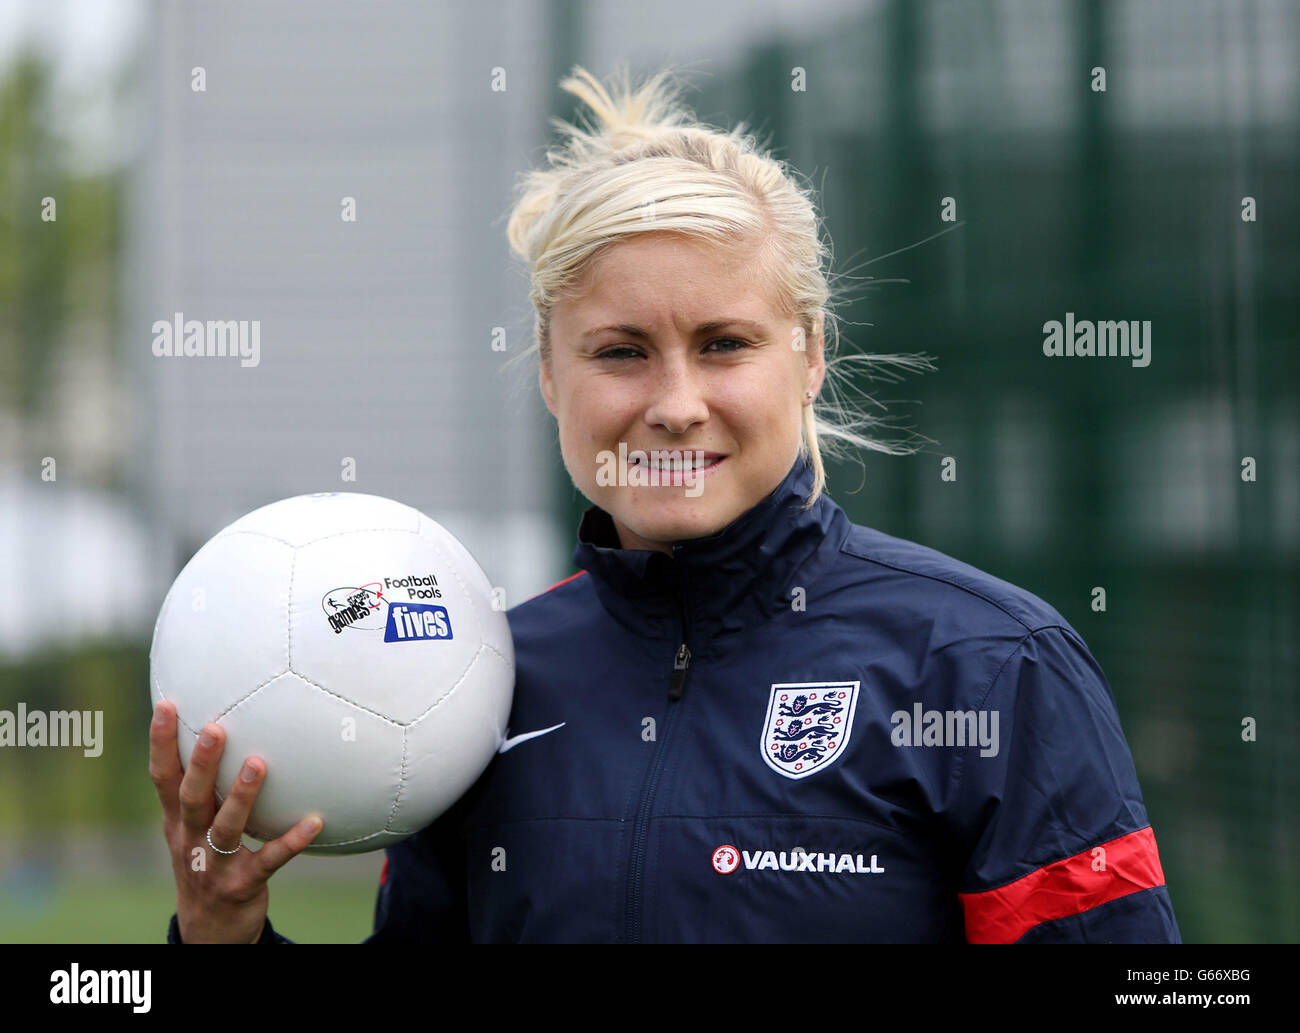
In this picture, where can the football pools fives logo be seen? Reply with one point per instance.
(389, 604)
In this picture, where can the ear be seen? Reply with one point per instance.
(547, 385)
(815, 363)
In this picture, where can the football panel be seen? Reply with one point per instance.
(451, 746)
(223, 629)
(306, 518)
(322, 755)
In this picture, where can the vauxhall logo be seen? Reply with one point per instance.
(727, 858)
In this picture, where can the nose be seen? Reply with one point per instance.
(677, 397)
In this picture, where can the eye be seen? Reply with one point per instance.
(620, 351)
(719, 345)
(728, 341)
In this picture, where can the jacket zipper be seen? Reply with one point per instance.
(636, 868)
(681, 664)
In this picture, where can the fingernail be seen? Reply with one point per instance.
(206, 739)
(249, 774)
(158, 713)
(311, 826)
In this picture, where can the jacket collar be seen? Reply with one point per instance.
(720, 584)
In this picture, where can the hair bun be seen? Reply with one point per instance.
(626, 116)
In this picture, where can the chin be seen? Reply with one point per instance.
(676, 523)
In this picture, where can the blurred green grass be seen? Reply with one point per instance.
(341, 911)
(51, 797)
(137, 910)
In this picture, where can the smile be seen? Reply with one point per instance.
(675, 460)
(657, 468)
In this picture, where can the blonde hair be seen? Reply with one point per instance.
(647, 166)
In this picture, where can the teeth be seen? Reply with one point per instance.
(677, 467)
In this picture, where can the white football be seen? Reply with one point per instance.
(353, 644)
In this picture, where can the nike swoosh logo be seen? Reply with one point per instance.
(510, 744)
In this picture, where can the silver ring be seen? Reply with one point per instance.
(217, 848)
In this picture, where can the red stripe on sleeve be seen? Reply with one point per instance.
(1063, 888)
(558, 584)
(383, 874)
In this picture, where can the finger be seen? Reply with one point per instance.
(164, 759)
(279, 852)
(232, 816)
(197, 804)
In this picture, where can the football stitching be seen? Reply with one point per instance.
(254, 692)
(255, 534)
(354, 530)
(288, 610)
(401, 785)
(349, 702)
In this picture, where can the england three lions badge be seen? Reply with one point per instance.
(808, 725)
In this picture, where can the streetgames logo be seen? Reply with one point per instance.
(361, 606)
(808, 725)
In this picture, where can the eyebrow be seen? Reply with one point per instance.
(704, 328)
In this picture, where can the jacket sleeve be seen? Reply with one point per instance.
(1060, 847)
(422, 895)
(269, 935)
(421, 890)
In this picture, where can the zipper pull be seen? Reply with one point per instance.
(680, 664)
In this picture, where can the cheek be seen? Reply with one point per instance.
(763, 402)
(607, 402)
(596, 411)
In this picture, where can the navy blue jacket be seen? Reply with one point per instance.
(796, 730)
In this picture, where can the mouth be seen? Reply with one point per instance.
(676, 461)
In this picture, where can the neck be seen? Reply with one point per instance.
(629, 539)
(720, 584)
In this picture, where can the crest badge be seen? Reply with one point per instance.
(808, 725)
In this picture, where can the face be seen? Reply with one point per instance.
(636, 362)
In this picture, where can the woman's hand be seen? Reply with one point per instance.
(225, 899)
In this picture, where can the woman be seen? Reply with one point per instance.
(745, 719)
